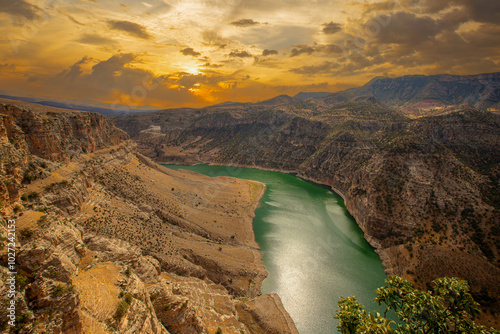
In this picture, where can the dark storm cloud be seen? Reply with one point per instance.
(20, 8)
(331, 28)
(244, 23)
(190, 52)
(131, 28)
(301, 49)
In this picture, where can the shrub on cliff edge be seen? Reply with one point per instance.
(449, 308)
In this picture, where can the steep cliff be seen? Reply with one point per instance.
(424, 191)
(108, 241)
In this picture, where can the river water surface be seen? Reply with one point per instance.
(311, 247)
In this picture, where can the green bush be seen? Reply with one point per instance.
(21, 281)
(448, 308)
(128, 298)
(27, 233)
(58, 290)
(121, 309)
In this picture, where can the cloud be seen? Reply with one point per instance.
(75, 70)
(190, 52)
(315, 87)
(484, 36)
(72, 19)
(403, 28)
(244, 23)
(331, 28)
(240, 54)
(95, 39)
(214, 39)
(20, 8)
(212, 65)
(381, 6)
(325, 67)
(7, 66)
(131, 28)
(301, 49)
(268, 52)
(328, 48)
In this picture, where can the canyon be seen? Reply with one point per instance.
(421, 180)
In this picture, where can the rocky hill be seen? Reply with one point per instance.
(108, 241)
(424, 190)
(420, 95)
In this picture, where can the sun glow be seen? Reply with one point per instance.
(191, 69)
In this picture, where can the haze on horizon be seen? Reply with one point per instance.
(186, 53)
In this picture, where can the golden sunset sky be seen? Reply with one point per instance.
(187, 53)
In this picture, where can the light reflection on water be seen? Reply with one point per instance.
(313, 250)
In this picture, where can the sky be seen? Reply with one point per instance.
(187, 53)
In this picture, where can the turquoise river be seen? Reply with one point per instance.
(311, 247)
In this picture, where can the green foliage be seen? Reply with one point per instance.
(22, 320)
(58, 290)
(121, 309)
(21, 281)
(449, 308)
(27, 233)
(218, 331)
(128, 298)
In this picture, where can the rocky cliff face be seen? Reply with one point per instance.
(423, 190)
(108, 241)
(30, 136)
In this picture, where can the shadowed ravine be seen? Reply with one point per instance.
(311, 247)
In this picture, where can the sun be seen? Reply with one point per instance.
(191, 69)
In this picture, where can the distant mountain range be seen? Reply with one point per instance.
(414, 95)
(101, 108)
(413, 92)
